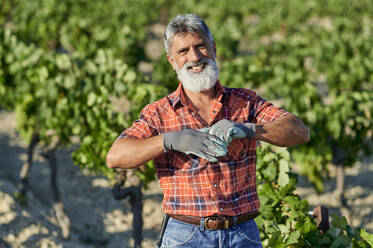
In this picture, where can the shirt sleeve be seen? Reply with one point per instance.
(266, 112)
(142, 128)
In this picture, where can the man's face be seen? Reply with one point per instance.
(190, 47)
(193, 57)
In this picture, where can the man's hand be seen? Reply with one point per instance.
(194, 142)
(228, 130)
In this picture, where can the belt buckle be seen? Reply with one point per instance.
(216, 218)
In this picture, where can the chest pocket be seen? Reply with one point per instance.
(238, 149)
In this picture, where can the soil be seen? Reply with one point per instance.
(97, 219)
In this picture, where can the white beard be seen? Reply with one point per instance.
(199, 81)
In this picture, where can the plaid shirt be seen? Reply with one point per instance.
(195, 186)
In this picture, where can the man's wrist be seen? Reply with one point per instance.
(166, 146)
(250, 130)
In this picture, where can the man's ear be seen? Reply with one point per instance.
(214, 47)
(171, 61)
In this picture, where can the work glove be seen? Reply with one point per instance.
(190, 141)
(228, 130)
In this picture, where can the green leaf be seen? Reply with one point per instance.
(87, 140)
(368, 237)
(293, 238)
(266, 211)
(276, 240)
(292, 200)
(306, 226)
(333, 232)
(69, 82)
(340, 241)
(43, 73)
(83, 158)
(130, 76)
(325, 240)
(76, 129)
(284, 228)
(283, 178)
(270, 172)
(91, 99)
(339, 221)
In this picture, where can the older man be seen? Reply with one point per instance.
(203, 139)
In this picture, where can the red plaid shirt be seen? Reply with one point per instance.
(195, 186)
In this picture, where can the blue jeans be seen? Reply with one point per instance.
(181, 234)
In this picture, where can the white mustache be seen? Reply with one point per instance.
(200, 62)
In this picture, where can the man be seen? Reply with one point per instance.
(203, 139)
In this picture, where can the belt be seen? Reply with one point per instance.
(215, 222)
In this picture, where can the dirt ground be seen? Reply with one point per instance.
(97, 219)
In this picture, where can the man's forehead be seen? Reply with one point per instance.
(179, 38)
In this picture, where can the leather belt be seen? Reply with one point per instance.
(215, 222)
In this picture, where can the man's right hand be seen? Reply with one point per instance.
(190, 141)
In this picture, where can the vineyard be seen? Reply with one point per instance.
(76, 73)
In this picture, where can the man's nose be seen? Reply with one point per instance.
(195, 55)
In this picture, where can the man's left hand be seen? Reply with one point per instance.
(228, 130)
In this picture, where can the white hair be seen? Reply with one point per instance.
(187, 23)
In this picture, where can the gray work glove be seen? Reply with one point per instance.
(228, 130)
(194, 142)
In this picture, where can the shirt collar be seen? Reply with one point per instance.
(179, 95)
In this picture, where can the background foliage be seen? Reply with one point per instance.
(63, 63)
